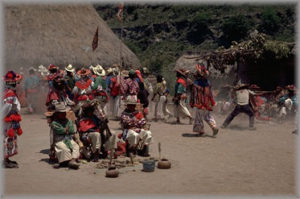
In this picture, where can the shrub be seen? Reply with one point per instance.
(270, 22)
(236, 28)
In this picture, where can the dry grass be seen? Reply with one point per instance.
(61, 35)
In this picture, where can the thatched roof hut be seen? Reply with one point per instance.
(60, 34)
(260, 61)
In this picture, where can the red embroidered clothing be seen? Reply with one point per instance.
(55, 94)
(133, 120)
(201, 97)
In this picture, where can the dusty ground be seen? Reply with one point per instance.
(237, 162)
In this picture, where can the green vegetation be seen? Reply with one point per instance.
(160, 34)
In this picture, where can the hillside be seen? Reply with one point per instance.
(160, 34)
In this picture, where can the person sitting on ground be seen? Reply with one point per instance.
(66, 149)
(56, 95)
(136, 132)
(92, 134)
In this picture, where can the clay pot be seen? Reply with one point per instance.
(112, 172)
(164, 164)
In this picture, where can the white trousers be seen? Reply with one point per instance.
(133, 138)
(181, 109)
(63, 153)
(115, 106)
(207, 117)
(161, 110)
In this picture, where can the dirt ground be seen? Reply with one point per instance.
(237, 162)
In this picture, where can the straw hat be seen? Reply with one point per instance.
(109, 70)
(70, 68)
(125, 73)
(98, 70)
(60, 107)
(83, 72)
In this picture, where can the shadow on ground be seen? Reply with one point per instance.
(238, 128)
(197, 135)
(45, 151)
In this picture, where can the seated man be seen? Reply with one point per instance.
(135, 132)
(93, 135)
(66, 149)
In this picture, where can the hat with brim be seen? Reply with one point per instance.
(70, 68)
(145, 70)
(98, 70)
(241, 86)
(12, 77)
(116, 70)
(52, 66)
(182, 72)
(109, 70)
(60, 108)
(84, 72)
(125, 73)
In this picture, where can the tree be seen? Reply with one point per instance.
(270, 22)
(199, 29)
(235, 28)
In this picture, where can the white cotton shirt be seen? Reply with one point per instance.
(242, 96)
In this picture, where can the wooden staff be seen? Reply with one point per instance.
(159, 150)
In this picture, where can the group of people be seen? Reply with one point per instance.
(80, 102)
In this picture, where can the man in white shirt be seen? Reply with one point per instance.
(242, 99)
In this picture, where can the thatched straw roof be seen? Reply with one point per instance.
(60, 35)
(222, 60)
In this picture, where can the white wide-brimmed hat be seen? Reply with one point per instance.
(109, 70)
(98, 70)
(70, 68)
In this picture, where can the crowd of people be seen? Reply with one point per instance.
(80, 103)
